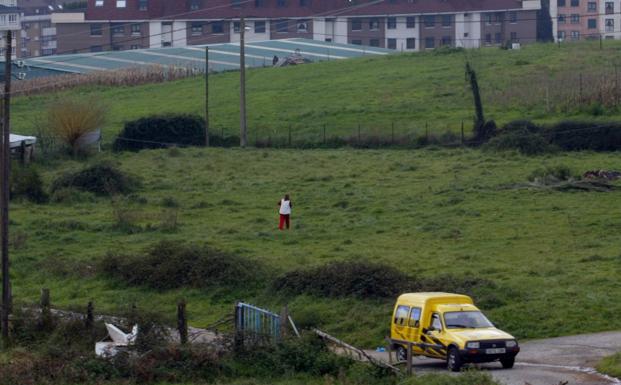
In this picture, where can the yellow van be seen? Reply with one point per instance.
(448, 327)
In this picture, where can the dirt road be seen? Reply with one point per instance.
(547, 362)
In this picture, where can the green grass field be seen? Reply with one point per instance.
(539, 82)
(554, 255)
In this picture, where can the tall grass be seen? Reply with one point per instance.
(70, 118)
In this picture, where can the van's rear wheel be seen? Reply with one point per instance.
(453, 360)
(507, 362)
(402, 354)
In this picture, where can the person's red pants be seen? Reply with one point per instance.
(284, 219)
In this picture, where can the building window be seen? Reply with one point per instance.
(574, 18)
(575, 35)
(575, 3)
(391, 23)
(498, 17)
(561, 35)
(560, 3)
(488, 38)
(430, 42)
(391, 43)
(136, 29)
(259, 27)
(592, 6)
(446, 40)
(498, 38)
(304, 3)
(236, 26)
(488, 18)
(374, 42)
(196, 5)
(513, 17)
(99, 3)
(236, 3)
(592, 23)
(446, 20)
(356, 42)
(143, 5)
(96, 29)
(429, 21)
(610, 7)
(561, 19)
(96, 48)
(134, 46)
(282, 26)
(514, 37)
(610, 25)
(121, 3)
(374, 24)
(197, 29)
(259, 3)
(303, 26)
(356, 24)
(410, 43)
(117, 47)
(410, 22)
(217, 27)
(281, 3)
(118, 30)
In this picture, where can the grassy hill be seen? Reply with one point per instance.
(553, 257)
(411, 91)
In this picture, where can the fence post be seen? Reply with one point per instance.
(46, 312)
(182, 322)
(90, 316)
(462, 132)
(284, 318)
(409, 359)
(238, 343)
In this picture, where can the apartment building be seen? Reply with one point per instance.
(10, 20)
(408, 25)
(37, 36)
(586, 19)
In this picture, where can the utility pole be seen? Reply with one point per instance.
(4, 193)
(243, 132)
(206, 96)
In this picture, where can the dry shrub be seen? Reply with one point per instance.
(123, 77)
(70, 118)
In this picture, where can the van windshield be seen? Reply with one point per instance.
(466, 320)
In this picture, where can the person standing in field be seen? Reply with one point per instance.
(285, 212)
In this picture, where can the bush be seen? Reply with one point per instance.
(576, 136)
(170, 264)
(26, 182)
(70, 118)
(524, 141)
(160, 132)
(100, 179)
(551, 174)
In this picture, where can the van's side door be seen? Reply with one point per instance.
(434, 337)
(414, 326)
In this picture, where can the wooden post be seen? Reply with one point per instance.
(182, 322)
(206, 96)
(89, 321)
(284, 318)
(409, 359)
(46, 312)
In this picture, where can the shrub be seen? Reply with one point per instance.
(170, 264)
(526, 142)
(101, 179)
(26, 182)
(161, 131)
(551, 174)
(575, 136)
(70, 118)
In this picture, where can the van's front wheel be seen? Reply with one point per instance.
(453, 360)
(507, 362)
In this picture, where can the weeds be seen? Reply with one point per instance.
(100, 179)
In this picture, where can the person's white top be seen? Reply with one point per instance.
(285, 207)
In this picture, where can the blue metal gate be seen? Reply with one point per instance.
(252, 321)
